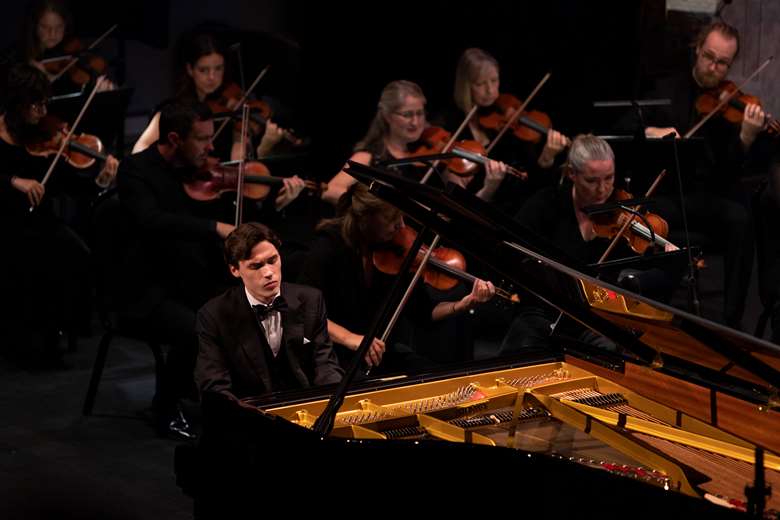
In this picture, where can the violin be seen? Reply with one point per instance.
(214, 179)
(734, 110)
(82, 149)
(445, 268)
(638, 236)
(226, 105)
(531, 125)
(86, 68)
(433, 141)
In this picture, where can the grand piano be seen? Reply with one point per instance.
(671, 423)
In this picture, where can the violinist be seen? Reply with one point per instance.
(717, 205)
(477, 83)
(397, 125)
(173, 263)
(203, 77)
(48, 33)
(36, 236)
(340, 265)
(556, 213)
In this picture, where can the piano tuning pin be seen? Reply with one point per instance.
(658, 361)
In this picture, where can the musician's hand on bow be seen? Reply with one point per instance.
(30, 187)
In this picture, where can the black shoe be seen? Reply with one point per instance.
(175, 426)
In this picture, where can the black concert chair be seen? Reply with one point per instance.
(107, 248)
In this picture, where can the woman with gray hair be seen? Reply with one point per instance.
(556, 217)
(399, 121)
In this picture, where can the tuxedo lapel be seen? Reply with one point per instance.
(292, 333)
(250, 336)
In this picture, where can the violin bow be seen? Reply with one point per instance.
(726, 99)
(517, 113)
(65, 141)
(75, 60)
(449, 144)
(241, 166)
(242, 100)
(628, 222)
(435, 241)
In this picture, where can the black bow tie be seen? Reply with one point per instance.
(262, 311)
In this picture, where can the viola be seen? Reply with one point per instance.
(638, 236)
(445, 267)
(433, 141)
(82, 149)
(226, 105)
(734, 110)
(531, 125)
(214, 179)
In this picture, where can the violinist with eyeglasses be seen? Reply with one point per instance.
(716, 203)
(40, 220)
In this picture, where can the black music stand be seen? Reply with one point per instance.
(104, 118)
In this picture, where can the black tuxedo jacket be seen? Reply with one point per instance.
(231, 358)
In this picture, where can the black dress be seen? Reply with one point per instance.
(337, 270)
(46, 264)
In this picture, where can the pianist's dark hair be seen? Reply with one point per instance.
(239, 243)
(353, 209)
(178, 116)
(24, 86)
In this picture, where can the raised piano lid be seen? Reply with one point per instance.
(652, 334)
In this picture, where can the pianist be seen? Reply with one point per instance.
(264, 335)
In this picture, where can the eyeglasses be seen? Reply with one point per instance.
(411, 114)
(718, 62)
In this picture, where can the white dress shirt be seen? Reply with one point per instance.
(272, 324)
